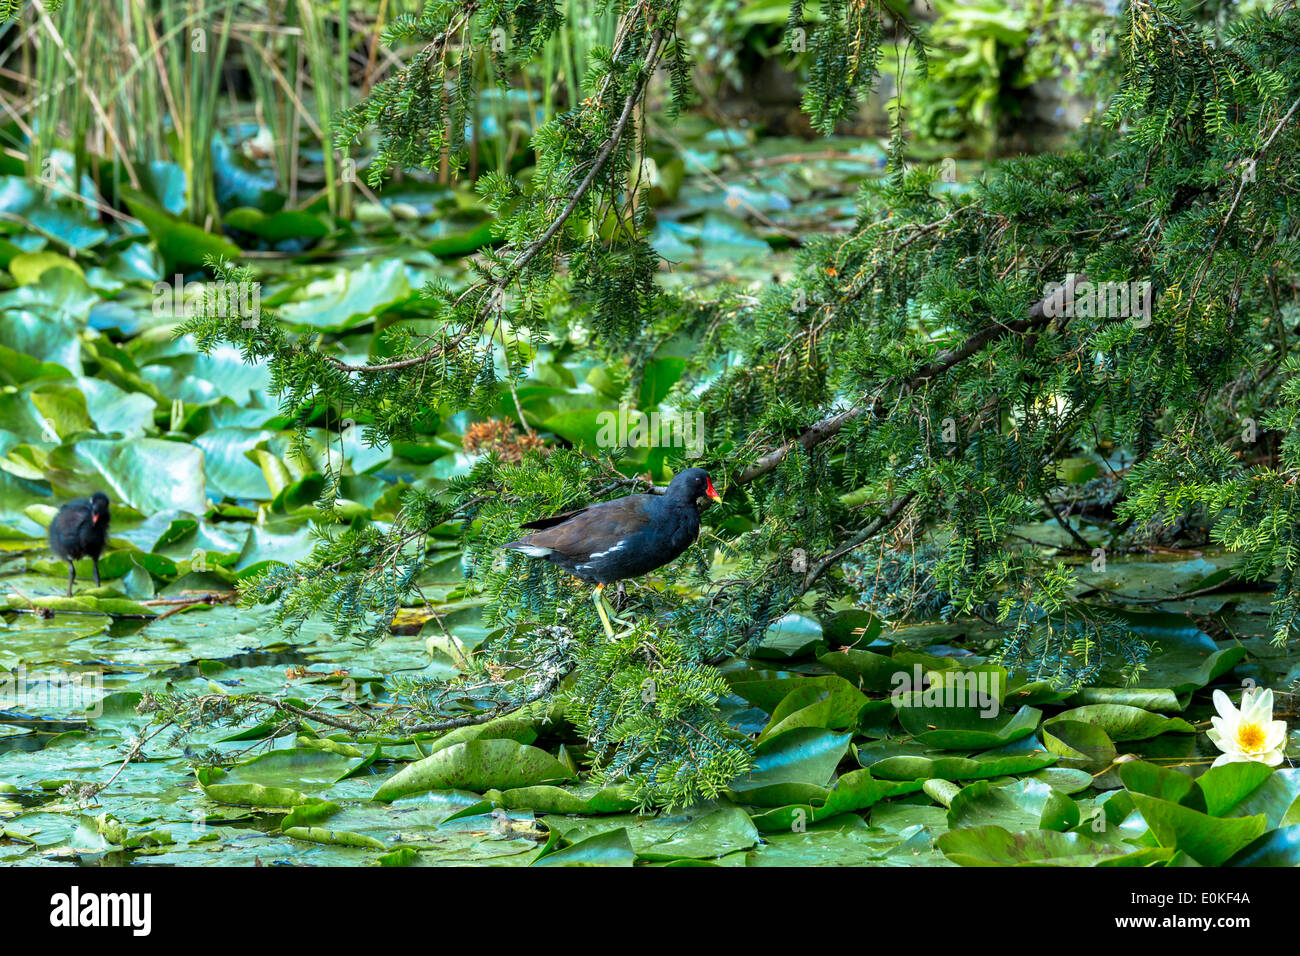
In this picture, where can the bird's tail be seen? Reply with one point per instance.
(525, 546)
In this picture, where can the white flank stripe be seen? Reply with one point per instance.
(617, 547)
(532, 550)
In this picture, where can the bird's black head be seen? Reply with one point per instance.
(99, 509)
(691, 484)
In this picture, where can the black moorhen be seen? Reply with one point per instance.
(623, 538)
(79, 531)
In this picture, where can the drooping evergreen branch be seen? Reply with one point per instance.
(1253, 162)
(633, 98)
(832, 425)
(182, 711)
(873, 528)
(516, 265)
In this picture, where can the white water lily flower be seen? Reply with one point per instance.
(1250, 733)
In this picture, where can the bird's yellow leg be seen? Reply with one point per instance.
(607, 613)
(598, 598)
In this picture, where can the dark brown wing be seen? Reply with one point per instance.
(590, 530)
(553, 520)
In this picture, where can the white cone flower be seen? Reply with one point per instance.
(1250, 733)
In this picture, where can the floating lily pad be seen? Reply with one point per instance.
(996, 846)
(1122, 722)
(549, 799)
(865, 669)
(183, 245)
(1208, 840)
(805, 755)
(856, 790)
(1275, 848)
(1016, 806)
(475, 765)
(966, 728)
(247, 794)
(829, 702)
(704, 831)
(1016, 758)
(792, 636)
(848, 841)
(350, 297)
(1184, 657)
(612, 848)
(1079, 745)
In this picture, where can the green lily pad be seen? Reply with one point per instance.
(1016, 806)
(350, 297)
(829, 702)
(805, 755)
(792, 636)
(1079, 745)
(183, 245)
(854, 627)
(247, 794)
(1276, 798)
(336, 837)
(476, 765)
(1276, 848)
(999, 762)
(544, 798)
(300, 768)
(1163, 782)
(276, 227)
(1122, 722)
(1159, 699)
(148, 474)
(765, 689)
(966, 728)
(1206, 839)
(849, 841)
(517, 727)
(1226, 786)
(795, 803)
(1184, 657)
(1059, 813)
(612, 848)
(703, 831)
(996, 846)
(865, 669)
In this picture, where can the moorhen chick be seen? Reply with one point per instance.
(79, 530)
(624, 538)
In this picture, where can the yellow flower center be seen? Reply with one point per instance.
(1250, 738)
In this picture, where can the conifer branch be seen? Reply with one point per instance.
(1236, 199)
(892, 511)
(602, 157)
(830, 426)
(530, 251)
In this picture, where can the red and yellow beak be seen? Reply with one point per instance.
(712, 492)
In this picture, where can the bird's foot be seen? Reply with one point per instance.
(624, 624)
(607, 616)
